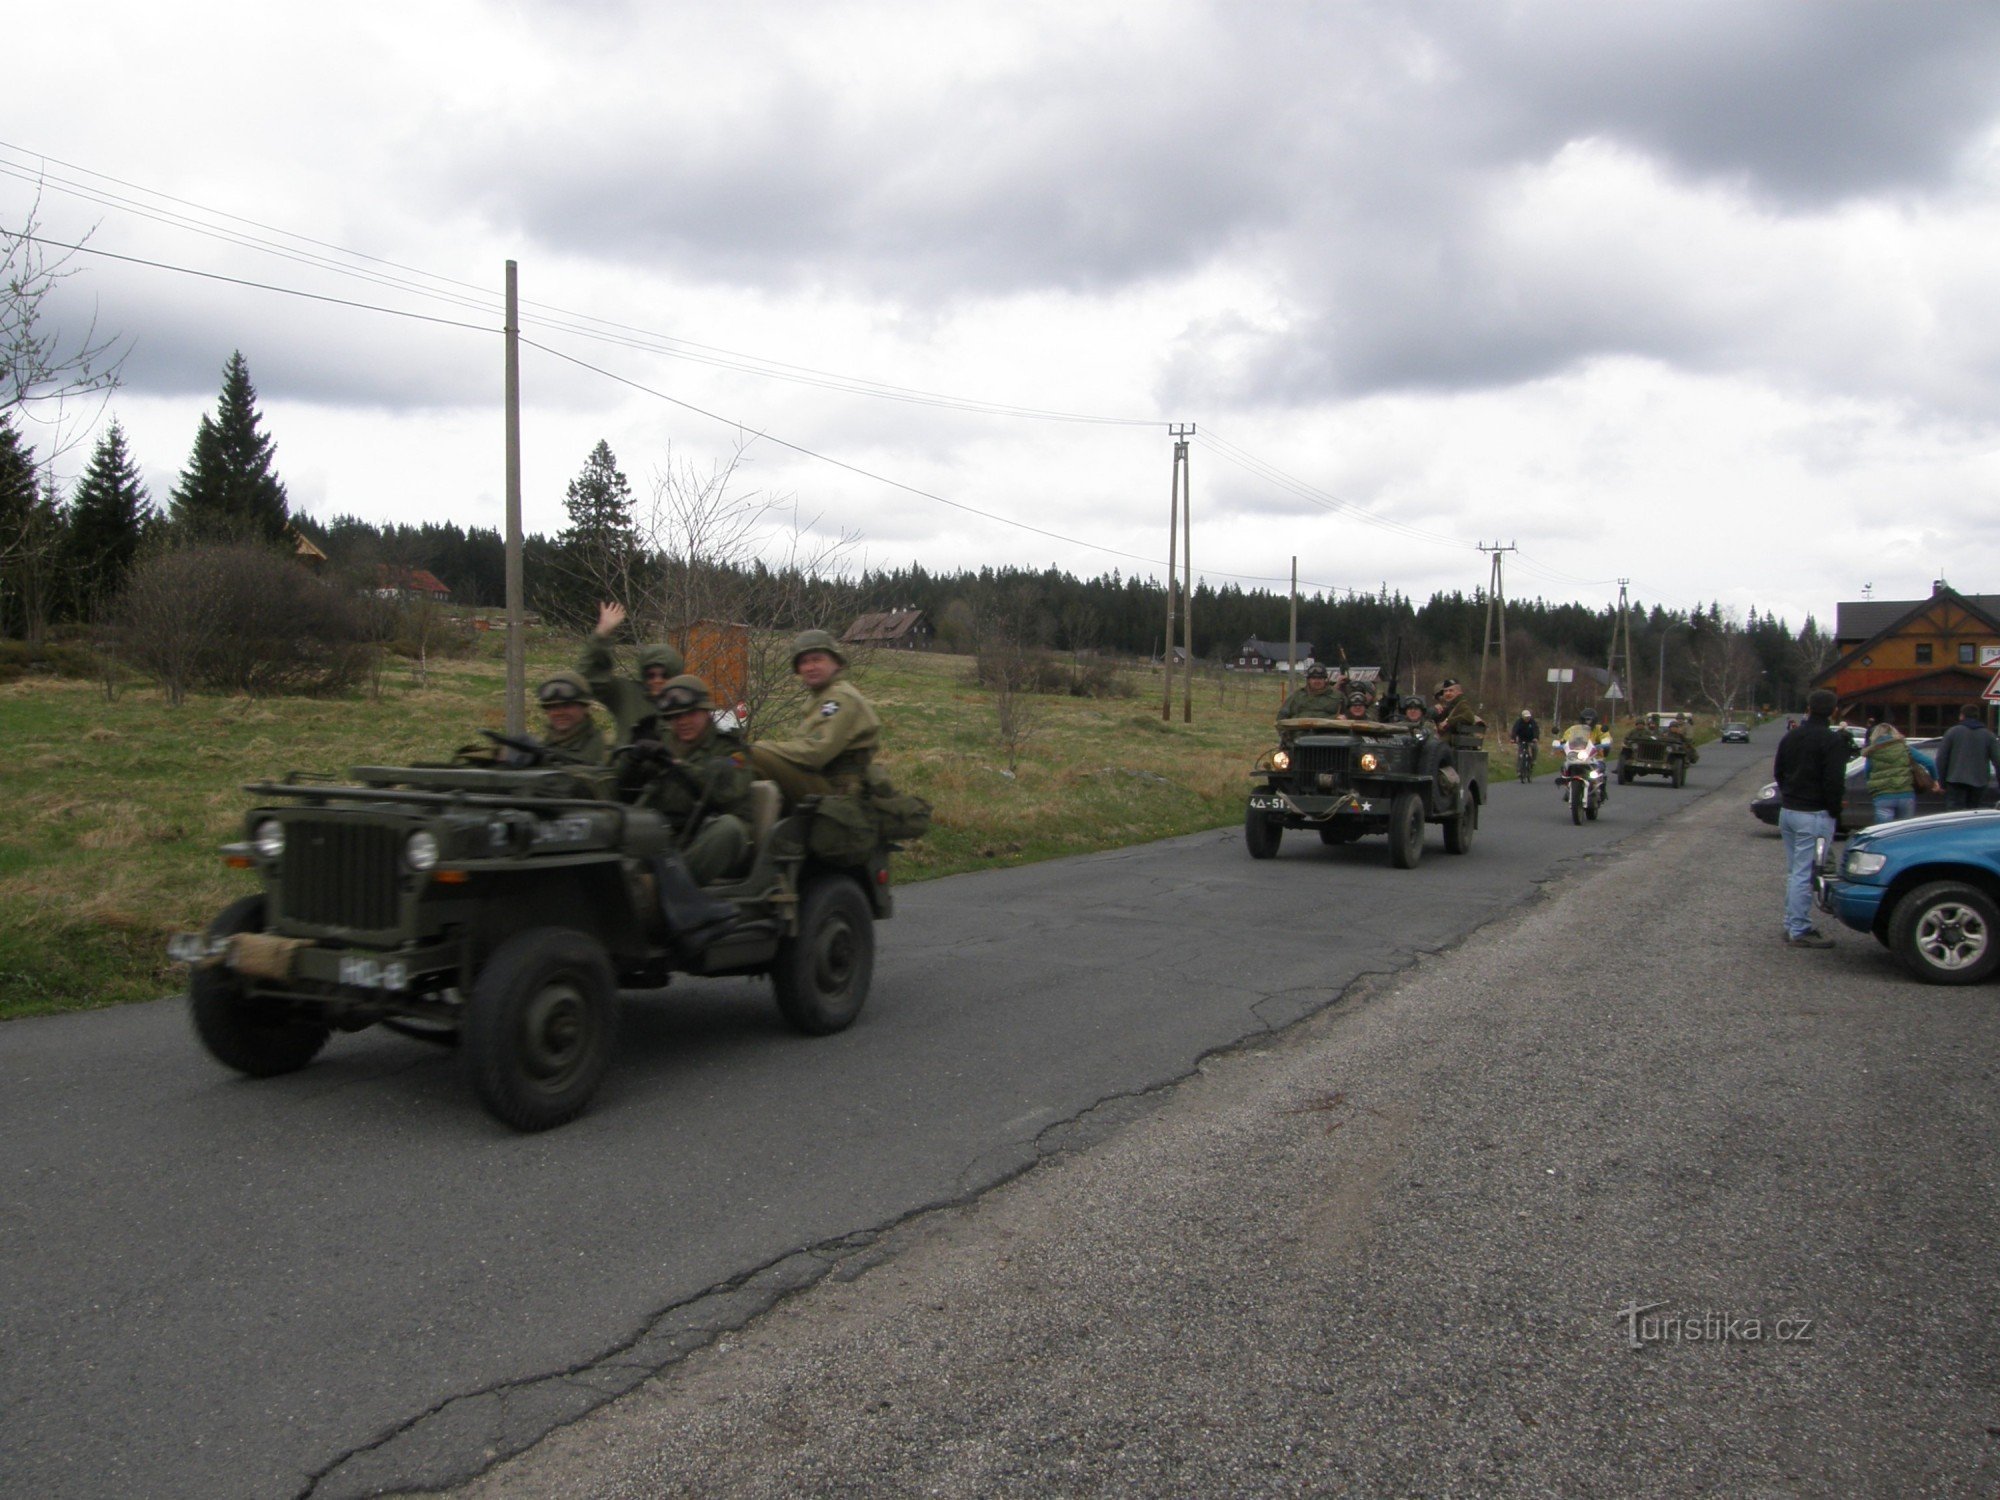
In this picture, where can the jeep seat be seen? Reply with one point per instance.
(766, 802)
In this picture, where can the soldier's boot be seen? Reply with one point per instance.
(694, 918)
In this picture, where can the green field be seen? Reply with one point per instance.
(116, 807)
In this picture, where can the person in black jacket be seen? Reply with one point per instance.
(1811, 772)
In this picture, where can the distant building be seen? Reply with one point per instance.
(392, 582)
(898, 630)
(1262, 656)
(303, 550)
(1914, 662)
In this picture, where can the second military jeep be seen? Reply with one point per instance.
(500, 910)
(1347, 778)
(1657, 745)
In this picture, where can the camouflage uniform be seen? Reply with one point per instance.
(709, 777)
(625, 697)
(833, 747)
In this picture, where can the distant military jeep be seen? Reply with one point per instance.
(1346, 778)
(500, 911)
(1658, 745)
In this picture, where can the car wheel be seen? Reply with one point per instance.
(1459, 831)
(822, 974)
(1261, 834)
(1406, 830)
(536, 1038)
(1946, 932)
(254, 1036)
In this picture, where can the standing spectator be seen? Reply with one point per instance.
(1811, 772)
(1968, 756)
(1892, 773)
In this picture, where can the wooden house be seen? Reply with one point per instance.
(1916, 662)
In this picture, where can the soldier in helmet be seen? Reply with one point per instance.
(698, 777)
(571, 736)
(830, 752)
(631, 703)
(1316, 700)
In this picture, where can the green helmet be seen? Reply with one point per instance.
(686, 694)
(562, 687)
(663, 656)
(816, 640)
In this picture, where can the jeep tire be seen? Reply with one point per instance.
(1261, 834)
(1406, 830)
(536, 1038)
(822, 974)
(255, 1037)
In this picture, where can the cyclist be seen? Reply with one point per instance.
(1527, 741)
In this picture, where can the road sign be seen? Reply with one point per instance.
(1562, 674)
(1992, 693)
(1614, 691)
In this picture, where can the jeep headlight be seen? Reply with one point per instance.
(420, 852)
(1864, 862)
(270, 837)
(1368, 760)
(1281, 760)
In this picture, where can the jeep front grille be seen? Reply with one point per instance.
(341, 874)
(1316, 760)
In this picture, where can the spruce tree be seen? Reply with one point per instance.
(19, 504)
(108, 515)
(228, 489)
(599, 544)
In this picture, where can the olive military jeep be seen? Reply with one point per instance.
(1660, 744)
(500, 911)
(1346, 778)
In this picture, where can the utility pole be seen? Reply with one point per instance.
(1292, 646)
(1496, 597)
(1621, 631)
(1173, 547)
(1180, 436)
(517, 669)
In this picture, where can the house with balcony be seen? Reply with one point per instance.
(1914, 662)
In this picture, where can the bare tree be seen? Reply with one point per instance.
(1009, 663)
(44, 367)
(1724, 665)
(720, 555)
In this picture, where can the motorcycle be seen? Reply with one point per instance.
(1582, 781)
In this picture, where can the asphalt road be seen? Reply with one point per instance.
(1619, 1197)
(351, 1280)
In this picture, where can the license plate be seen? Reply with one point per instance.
(1268, 803)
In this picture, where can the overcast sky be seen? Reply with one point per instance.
(1700, 294)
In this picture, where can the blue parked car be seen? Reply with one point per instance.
(1928, 888)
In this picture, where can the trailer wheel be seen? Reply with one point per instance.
(822, 975)
(1459, 831)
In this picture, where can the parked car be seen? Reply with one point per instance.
(1735, 734)
(1858, 810)
(1928, 889)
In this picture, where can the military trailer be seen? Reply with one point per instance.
(500, 910)
(1660, 744)
(1347, 778)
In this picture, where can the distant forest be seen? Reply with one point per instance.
(1711, 659)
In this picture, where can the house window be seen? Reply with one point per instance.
(1966, 656)
(1923, 653)
(1927, 718)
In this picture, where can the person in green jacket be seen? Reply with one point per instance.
(698, 778)
(631, 703)
(571, 736)
(830, 752)
(1892, 775)
(1316, 700)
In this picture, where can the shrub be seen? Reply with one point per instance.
(240, 619)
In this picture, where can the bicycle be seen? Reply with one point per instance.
(1524, 760)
